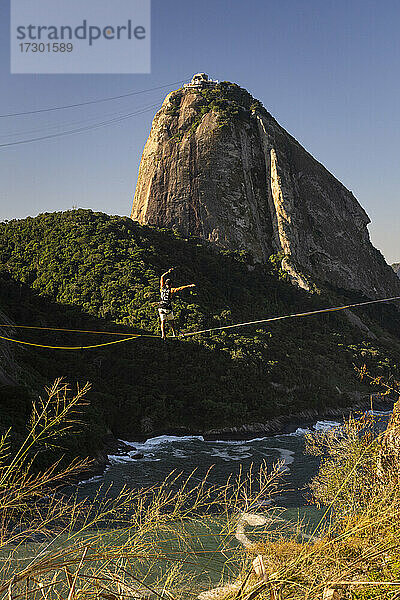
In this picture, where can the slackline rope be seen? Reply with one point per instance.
(139, 335)
(134, 337)
(292, 316)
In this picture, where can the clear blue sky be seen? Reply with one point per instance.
(327, 70)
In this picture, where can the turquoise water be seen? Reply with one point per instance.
(164, 454)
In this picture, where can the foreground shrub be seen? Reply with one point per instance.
(354, 552)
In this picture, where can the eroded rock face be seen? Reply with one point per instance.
(203, 179)
(218, 166)
(396, 268)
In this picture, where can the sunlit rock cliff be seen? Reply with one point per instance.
(218, 166)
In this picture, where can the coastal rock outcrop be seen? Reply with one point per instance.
(218, 166)
(396, 268)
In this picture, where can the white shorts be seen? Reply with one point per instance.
(166, 314)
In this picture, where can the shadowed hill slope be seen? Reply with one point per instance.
(88, 270)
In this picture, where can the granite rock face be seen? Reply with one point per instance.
(218, 166)
(396, 268)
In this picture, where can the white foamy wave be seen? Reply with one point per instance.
(236, 442)
(152, 448)
(319, 426)
(228, 442)
(300, 431)
(380, 413)
(162, 440)
(91, 479)
(287, 456)
(239, 453)
(116, 459)
(325, 425)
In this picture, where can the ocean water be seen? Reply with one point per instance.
(164, 454)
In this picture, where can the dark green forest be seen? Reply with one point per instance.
(86, 270)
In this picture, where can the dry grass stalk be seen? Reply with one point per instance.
(73, 584)
(134, 544)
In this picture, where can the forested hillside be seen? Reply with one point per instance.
(86, 270)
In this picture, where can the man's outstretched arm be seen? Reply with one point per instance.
(164, 275)
(183, 287)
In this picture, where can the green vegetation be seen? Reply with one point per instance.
(86, 270)
(229, 101)
(349, 454)
(181, 537)
(173, 106)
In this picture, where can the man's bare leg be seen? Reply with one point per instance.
(163, 330)
(174, 328)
